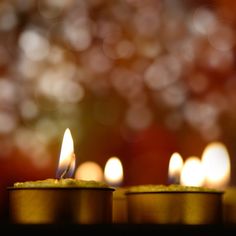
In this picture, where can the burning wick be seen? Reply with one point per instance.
(69, 167)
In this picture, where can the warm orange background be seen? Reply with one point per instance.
(110, 104)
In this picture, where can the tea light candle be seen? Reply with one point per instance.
(119, 205)
(62, 200)
(113, 173)
(216, 162)
(174, 204)
(229, 205)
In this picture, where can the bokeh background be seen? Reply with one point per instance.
(130, 78)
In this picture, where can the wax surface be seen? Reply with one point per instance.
(58, 183)
(169, 188)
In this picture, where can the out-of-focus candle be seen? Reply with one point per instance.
(175, 167)
(113, 173)
(229, 205)
(216, 164)
(188, 200)
(89, 170)
(62, 200)
(192, 172)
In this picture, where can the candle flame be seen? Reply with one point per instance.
(175, 167)
(113, 171)
(216, 163)
(89, 170)
(66, 165)
(192, 173)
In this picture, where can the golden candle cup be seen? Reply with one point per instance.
(119, 205)
(174, 205)
(229, 205)
(66, 204)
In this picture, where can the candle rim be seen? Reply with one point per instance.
(60, 183)
(173, 188)
(176, 192)
(60, 188)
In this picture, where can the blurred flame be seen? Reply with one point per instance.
(192, 172)
(89, 170)
(216, 163)
(113, 171)
(66, 165)
(175, 167)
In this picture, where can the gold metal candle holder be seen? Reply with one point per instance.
(229, 205)
(31, 204)
(119, 205)
(174, 205)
